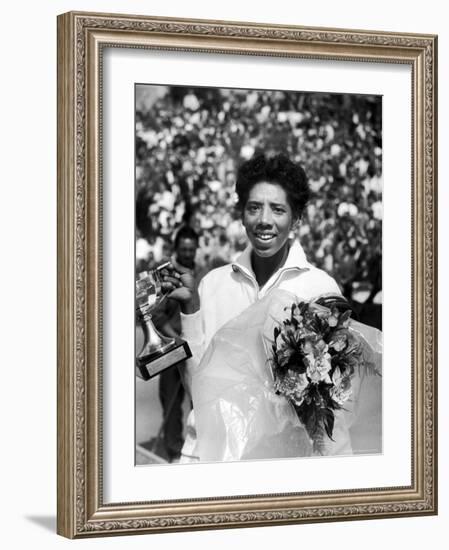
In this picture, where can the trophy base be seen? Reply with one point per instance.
(152, 364)
(163, 346)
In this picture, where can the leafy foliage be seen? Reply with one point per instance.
(314, 356)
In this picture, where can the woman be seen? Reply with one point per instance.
(237, 414)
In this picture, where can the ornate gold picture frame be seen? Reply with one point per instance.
(82, 509)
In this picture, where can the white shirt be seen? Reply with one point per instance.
(228, 290)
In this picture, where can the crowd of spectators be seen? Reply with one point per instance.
(189, 143)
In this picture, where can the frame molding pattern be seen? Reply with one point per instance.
(80, 508)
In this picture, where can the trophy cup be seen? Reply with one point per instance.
(159, 352)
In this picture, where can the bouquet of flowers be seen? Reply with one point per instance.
(314, 358)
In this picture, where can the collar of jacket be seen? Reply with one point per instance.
(296, 259)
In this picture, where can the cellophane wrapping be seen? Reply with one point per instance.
(238, 416)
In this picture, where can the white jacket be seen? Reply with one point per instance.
(228, 290)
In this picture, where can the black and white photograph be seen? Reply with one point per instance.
(258, 222)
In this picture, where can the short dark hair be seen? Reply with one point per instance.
(277, 169)
(186, 232)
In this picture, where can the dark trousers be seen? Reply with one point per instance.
(171, 395)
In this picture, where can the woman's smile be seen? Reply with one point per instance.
(264, 236)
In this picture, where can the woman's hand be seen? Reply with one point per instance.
(180, 286)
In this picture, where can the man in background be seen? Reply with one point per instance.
(168, 321)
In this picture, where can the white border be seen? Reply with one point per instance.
(122, 481)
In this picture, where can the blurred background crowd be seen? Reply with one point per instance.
(190, 141)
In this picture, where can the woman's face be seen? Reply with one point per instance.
(267, 218)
